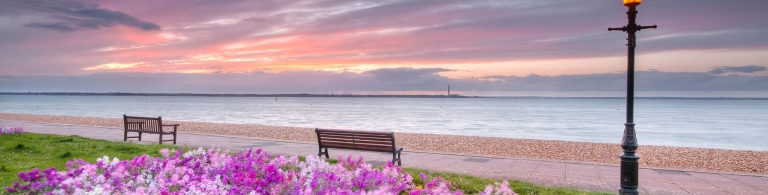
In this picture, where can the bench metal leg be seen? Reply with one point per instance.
(139, 136)
(161, 138)
(320, 153)
(396, 156)
(174, 135)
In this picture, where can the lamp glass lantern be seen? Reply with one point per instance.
(632, 2)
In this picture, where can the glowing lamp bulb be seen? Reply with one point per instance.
(632, 2)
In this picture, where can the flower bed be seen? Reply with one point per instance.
(215, 172)
(11, 130)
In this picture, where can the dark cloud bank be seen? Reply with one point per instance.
(737, 69)
(398, 79)
(70, 16)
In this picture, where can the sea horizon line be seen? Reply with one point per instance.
(368, 95)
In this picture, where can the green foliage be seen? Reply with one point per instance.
(66, 155)
(23, 152)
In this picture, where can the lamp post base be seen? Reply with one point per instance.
(629, 192)
(629, 169)
(629, 162)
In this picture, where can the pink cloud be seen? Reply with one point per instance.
(337, 34)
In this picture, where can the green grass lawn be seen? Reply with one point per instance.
(23, 152)
(473, 185)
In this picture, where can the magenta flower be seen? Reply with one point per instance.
(214, 171)
(11, 130)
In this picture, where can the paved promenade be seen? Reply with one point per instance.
(584, 176)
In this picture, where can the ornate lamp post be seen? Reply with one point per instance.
(629, 161)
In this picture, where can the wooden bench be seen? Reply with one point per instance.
(357, 140)
(147, 125)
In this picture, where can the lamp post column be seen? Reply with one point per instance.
(629, 161)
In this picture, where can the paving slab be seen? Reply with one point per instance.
(653, 175)
(521, 169)
(700, 188)
(760, 183)
(583, 176)
(727, 184)
(652, 187)
(578, 175)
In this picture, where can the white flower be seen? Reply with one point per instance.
(100, 179)
(59, 191)
(98, 190)
(114, 161)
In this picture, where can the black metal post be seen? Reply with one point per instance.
(629, 161)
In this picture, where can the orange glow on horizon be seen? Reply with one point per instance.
(112, 66)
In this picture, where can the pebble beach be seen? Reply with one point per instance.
(682, 158)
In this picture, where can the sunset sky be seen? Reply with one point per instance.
(310, 46)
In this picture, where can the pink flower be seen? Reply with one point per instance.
(164, 152)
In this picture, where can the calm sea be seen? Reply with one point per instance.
(706, 123)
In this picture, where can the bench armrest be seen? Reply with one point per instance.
(399, 150)
(135, 122)
(172, 125)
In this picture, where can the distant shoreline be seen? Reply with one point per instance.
(363, 96)
(235, 95)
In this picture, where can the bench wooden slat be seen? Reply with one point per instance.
(357, 137)
(358, 140)
(351, 147)
(363, 133)
(324, 142)
(327, 143)
(360, 135)
(353, 132)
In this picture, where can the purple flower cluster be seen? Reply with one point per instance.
(217, 172)
(11, 130)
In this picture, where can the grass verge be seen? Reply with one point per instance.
(473, 185)
(23, 152)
